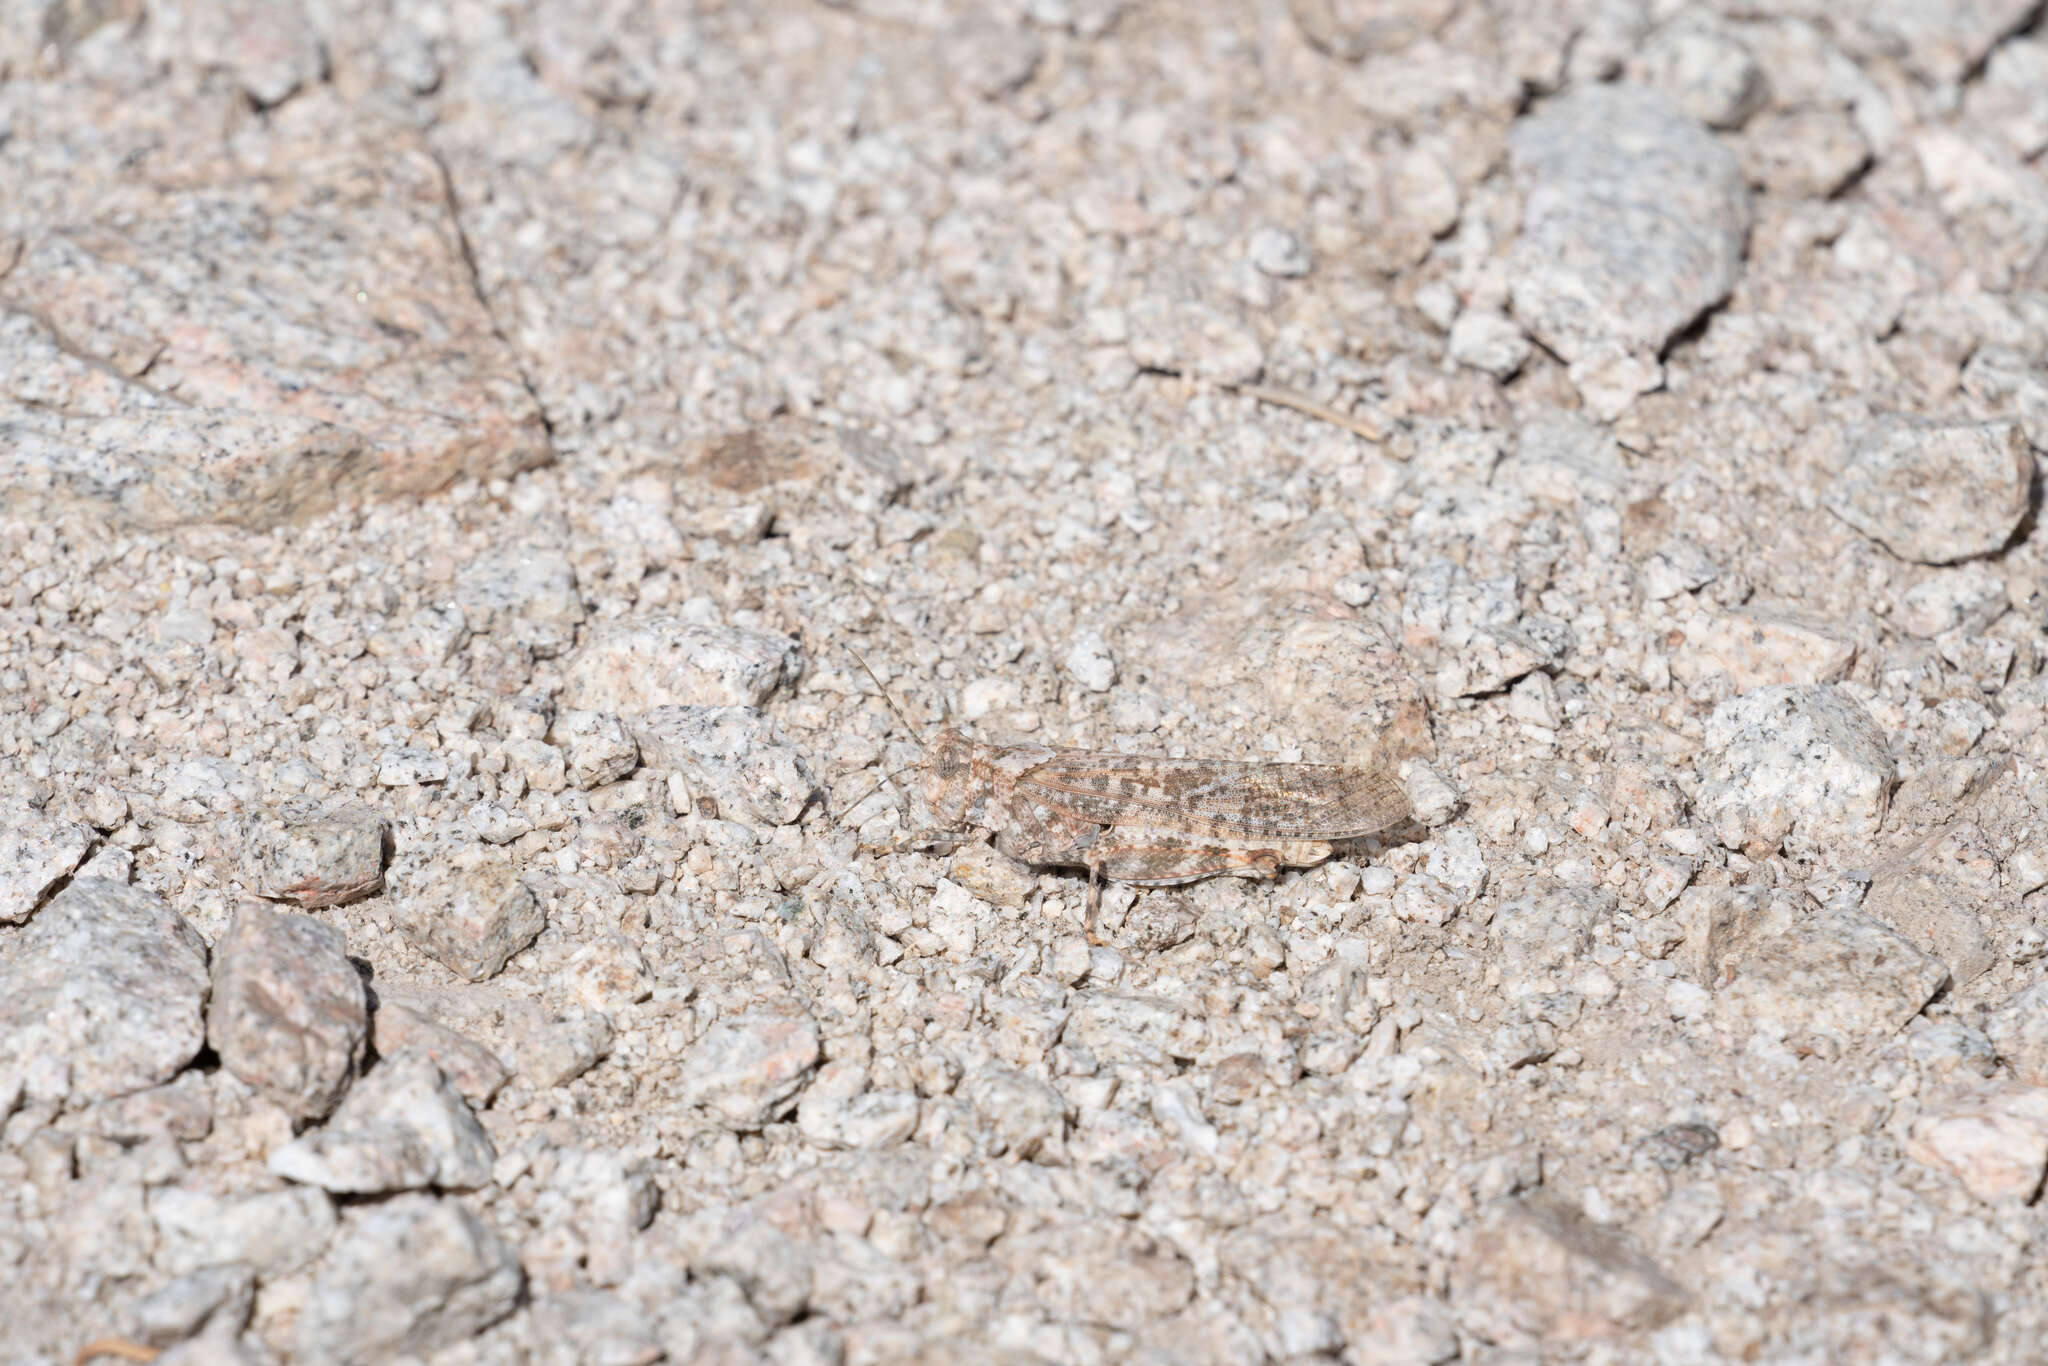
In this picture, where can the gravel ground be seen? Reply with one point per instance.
(451, 452)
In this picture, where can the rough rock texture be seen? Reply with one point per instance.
(577, 456)
(1633, 223)
(35, 855)
(1936, 493)
(1788, 759)
(635, 667)
(255, 329)
(101, 994)
(403, 1127)
(471, 916)
(289, 1014)
(407, 1276)
(730, 757)
(320, 859)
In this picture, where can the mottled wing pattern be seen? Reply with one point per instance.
(1220, 799)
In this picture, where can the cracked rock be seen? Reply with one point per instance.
(108, 981)
(1935, 492)
(633, 667)
(731, 756)
(403, 1127)
(407, 1277)
(1633, 223)
(470, 914)
(290, 1015)
(35, 854)
(328, 859)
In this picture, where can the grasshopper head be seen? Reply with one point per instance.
(949, 781)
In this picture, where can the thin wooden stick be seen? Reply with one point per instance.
(1287, 398)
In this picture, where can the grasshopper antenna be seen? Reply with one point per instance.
(887, 696)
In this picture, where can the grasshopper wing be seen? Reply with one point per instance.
(1220, 799)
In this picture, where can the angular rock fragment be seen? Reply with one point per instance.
(2018, 1029)
(276, 1232)
(564, 1049)
(1785, 760)
(194, 1302)
(108, 981)
(470, 914)
(403, 1127)
(747, 1068)
(1935, 492)
(731, 756)
(290, 1015)
(35, 854)
(471, 1068)
(1761, 645)
(631, 667)
(523, 593)
(1552, 1275)
(1633, 223)
(322, 859)
(181, 1108)
(1994, 1139)
(238, 269)
(597, 746)
(1835, 973)
(411, 1275)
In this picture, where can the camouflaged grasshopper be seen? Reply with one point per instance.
(1144, 820)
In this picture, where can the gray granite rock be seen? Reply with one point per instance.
(274, 1232)
(731, 756)
(597, 747)
(1787, 760)
(406, 1277)
(470, 914)
(402, 1127)
(1633, 223)
(108, 981)
(471, 1068)
(1935, 492)
(747, 1069)
(527, 594)
(236, 268)
(290, 1015)
(35, 854)
(629, 667)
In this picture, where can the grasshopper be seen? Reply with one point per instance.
(1149, 821)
